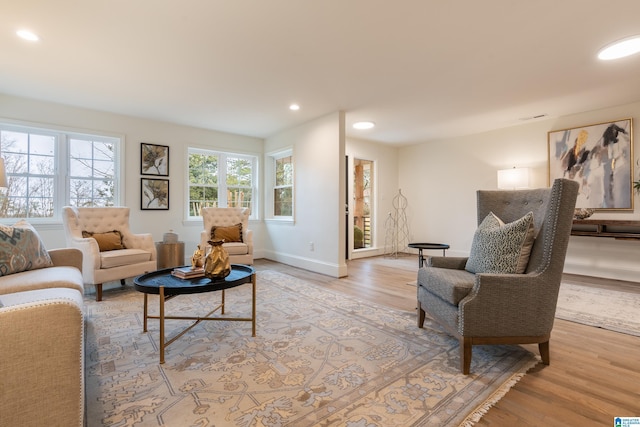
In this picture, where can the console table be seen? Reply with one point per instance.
(617, 229)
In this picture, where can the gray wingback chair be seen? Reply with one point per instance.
(484, 308)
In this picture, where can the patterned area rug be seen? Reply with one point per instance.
(320, 358)
(604, 308)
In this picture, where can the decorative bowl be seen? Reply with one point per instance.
(583, 213)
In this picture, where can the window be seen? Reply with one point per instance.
(282, 181)
(221, 179)
(34, 158)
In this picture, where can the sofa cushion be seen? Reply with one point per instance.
(235, 248)
(501, 248)
(52, 277)
(449, 284)
(232, 233)
(21, 249)
(109, 241)
(117, 258)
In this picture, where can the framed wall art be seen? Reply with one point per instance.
(154, 159)
(600, 158)
(154, 194)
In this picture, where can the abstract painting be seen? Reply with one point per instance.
(600, 158)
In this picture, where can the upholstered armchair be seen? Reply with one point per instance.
(232, 225)
(110, 251)
(495, 297)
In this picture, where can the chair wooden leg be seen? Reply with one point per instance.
(421, 315)
(98, 291)
(544, 352)
(465, 355)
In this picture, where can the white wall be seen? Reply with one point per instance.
(440, 180)
(385, 158)
(319, 194)
(135, 131)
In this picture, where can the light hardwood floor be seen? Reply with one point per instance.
(594, 374)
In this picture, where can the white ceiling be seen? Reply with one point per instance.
(420, 69)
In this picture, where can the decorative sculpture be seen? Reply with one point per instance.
(197, 260)
(397, 227)
(217, 265)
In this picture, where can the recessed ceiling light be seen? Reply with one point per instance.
(294, 107)
(620, 49)
(28, 35)
(363, 125)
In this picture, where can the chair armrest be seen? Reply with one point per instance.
(90, 252)
(248, 239)
(509, 305)
(42, 359)
(454, 263)
(247, 236)
(142, 241)
(71, 257)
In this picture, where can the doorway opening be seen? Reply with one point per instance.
(362, 204)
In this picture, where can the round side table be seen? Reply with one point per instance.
(170, 254)
(422, 246)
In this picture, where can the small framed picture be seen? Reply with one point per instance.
(154, 194)
(154, 159)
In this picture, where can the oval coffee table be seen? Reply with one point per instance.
(165, 285)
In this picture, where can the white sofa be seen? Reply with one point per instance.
(42, 344)
(240, 252)
(137, 256)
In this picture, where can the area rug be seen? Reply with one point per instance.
(614, 310)
(320, 358)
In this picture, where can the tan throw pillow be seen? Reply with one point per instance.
(232, 233)
(109, 241)
(501, 248)
(21, 249)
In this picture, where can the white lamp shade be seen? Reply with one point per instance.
(513, 179)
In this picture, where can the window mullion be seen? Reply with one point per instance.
(63, 193)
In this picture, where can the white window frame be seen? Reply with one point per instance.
(270, 171)
(222, 179)
(62, 136)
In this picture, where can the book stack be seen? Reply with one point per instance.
(187, 272)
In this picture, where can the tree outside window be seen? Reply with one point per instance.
(283, 189)
(219, 179)
(42, 177)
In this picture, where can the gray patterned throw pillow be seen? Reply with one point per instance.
(501, 248)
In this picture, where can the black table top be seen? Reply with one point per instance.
(150, 283)
(428, 245)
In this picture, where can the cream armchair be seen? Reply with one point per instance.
(123, 255)
(224, 220)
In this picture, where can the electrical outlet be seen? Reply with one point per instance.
(311, 246)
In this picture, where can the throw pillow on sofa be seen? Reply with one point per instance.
(501, 248)
(21, 249)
